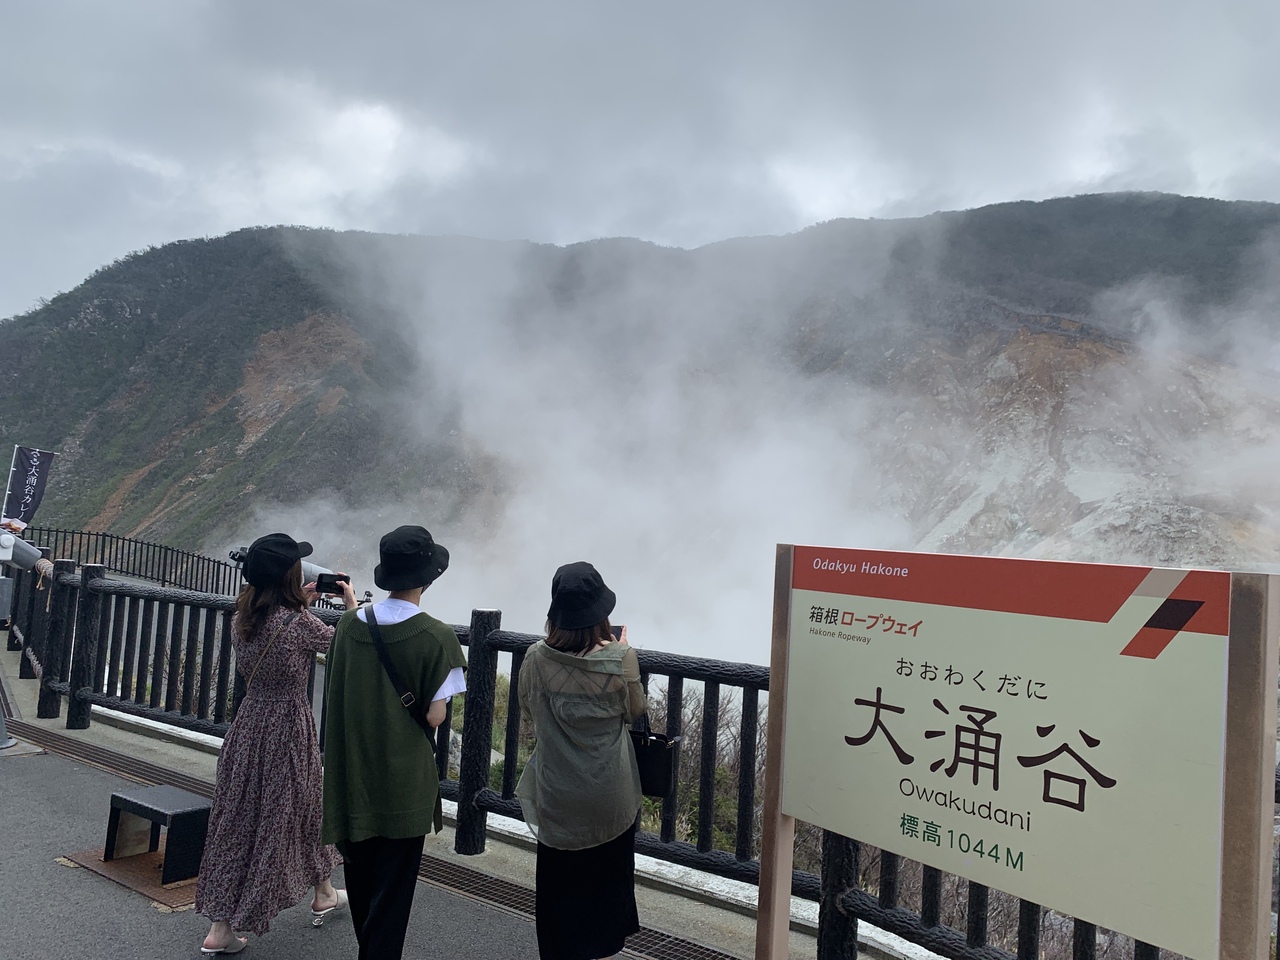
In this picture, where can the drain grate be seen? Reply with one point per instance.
(109, 760)
(649, 944)
(656, 945)
(479, 886)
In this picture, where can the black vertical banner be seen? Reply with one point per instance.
(27, 481)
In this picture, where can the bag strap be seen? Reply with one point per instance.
(263, 655)
(402, 690)
(641, 724)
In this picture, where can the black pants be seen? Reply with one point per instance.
(382, 876)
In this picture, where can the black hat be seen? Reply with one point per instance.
(269, 558)
(579, 597)
(410, 558)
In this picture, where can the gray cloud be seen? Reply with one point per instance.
(141, 122)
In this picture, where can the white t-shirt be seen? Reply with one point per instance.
(391, 611)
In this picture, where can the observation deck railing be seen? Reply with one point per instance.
(167, 566)
(166, 654)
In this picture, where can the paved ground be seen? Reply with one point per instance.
(51, 806)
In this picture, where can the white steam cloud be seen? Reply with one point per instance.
(672, 415)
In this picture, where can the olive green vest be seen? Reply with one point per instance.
(380, 775)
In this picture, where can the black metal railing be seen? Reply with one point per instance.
(746, 680)
(166, 655)
(183, 569)
(158, 653)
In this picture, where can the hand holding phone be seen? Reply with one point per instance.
(619, 632)
(331, 583)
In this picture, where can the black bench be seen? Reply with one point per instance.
(138, 813)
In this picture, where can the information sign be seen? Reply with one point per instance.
(1054, 730)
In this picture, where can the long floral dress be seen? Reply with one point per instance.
(263, 851)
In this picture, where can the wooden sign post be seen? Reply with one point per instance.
(1096, 738)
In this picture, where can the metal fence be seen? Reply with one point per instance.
(183, 569)
(166, 654)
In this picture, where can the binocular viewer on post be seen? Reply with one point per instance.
(323, 577)
(310, 571)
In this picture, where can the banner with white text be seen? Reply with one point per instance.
(1053, 730)
(27, 480)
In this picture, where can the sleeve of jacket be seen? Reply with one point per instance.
(636, 700)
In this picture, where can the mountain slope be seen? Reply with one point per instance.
(179, 379)
(1053, 378)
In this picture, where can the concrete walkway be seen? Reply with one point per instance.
(52, 806)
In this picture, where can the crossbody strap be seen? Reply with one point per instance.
(403, 692)
(263, 655)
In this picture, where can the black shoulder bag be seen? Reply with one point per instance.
(416, 709)
(656, 758)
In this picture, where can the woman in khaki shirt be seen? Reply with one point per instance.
(580, 790)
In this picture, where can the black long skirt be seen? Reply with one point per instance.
(585, 901)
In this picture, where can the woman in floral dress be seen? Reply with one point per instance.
(263, 848)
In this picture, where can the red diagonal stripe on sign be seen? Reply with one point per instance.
(1201, 603)
(1214, 588)
(1148, 643)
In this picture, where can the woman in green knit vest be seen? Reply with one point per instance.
(381, 790)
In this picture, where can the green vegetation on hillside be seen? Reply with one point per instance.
(169, 384)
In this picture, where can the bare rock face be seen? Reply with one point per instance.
(1066, 446)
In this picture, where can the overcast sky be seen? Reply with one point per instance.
(131, 123)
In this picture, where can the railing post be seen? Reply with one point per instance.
(1029, 932)
(84, 657)
(24, 604)
(477, 732)
(675, 728)
(707, 767)
(21, 580)
(21, 587)
(57, 639)
(35, 633)
(837, 929)
(976, 932)
(745, 847)
(1084, 941)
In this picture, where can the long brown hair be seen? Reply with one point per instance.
(581, 640)
(255, 604)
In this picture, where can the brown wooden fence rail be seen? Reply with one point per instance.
(165, 654)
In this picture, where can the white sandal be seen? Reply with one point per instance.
(235, 946)
(318, 916)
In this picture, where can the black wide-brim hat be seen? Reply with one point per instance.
(579, 597)
(269, 558)
(409, 558)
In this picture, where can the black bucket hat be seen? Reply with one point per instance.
(269, 558)
(409, 558)
(579, 597)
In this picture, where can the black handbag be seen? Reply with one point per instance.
(656, 757)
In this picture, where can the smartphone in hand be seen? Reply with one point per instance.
(331, 583)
